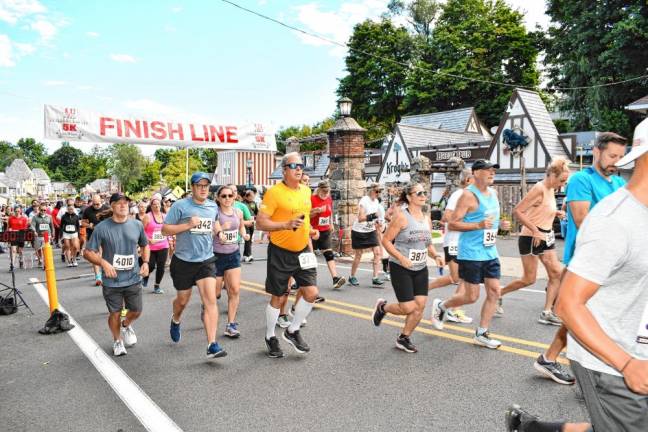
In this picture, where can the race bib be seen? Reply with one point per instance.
(324, 221)
(418, 256)
(490, 237)
(204, 227)
(453, 249)
(43, 227)
(550, 238)
(123, 262)
(231, 237)
(642, 333)
(70, 228)
(157, 236)
(307, 260)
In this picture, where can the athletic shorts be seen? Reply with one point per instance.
(20, 244)
(185, 274)
(323, 242)
(449, 258)
(475, 272)
(408, 283)
(129, 297)
(226, 262)
(37, 243)
(611, 405)
(69, 236)
(361, 240)
(282, 264)
(525, 246)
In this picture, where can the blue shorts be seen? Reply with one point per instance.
(226, 262)
(475, 272)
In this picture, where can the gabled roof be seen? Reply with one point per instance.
(8, 181)
(455, 120)
(18, 170)
(40, 174)
(416, 136)
(640, 105)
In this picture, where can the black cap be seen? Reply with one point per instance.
(480, 164)
(118, 196)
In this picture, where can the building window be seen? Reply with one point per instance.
(3, 190)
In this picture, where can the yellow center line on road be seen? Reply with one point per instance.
(254, 287)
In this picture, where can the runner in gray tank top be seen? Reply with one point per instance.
(410, 230)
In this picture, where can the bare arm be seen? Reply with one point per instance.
(579, 211)
(467, 202)
(169, 230)
(264, 223)
(440, 259)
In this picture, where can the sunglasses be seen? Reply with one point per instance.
(226, 196)
(420, 193)
(294, 165)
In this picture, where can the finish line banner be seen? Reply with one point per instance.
(72, 124)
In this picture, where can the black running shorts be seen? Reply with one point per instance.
(323, 242)
(185, 274)
(282, 264)
(408, 283)
(361, 240)
(525, 246)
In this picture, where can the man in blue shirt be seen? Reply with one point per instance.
(194, 220)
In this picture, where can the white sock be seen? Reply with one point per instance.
(302, 309)
(271, 320)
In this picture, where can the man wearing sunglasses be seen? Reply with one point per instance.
(285, 214)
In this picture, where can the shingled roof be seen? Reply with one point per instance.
(455, 120)
(640, 105)
(40, 174)
(18, 170)
(416, 137)
(543, 123)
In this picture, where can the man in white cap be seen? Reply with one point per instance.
(603, 302)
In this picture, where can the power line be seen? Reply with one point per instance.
(427, 69)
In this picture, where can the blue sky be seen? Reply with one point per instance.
(203, 60)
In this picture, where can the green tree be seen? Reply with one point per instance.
(376, 82)
(174, 171)
(126, 163)
(34, 153)
(480, 39)
(150, 178)
(304, 131)
(66, 161)
(419, 13)
(208, 157)
(163, 155)
(597, 42)
(91, 167)
(8, 152)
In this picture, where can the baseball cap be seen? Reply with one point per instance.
(323, 184)
(481, 164)
(197, 176)
(118, 196)
(639, 144)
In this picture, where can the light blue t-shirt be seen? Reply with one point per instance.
(586, 185)
(194, 245)
(474, 245)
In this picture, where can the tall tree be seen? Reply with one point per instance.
(64, 163)
(479, 39)
(34, 153)
(376, 74)
(419, 13)
(8, 152)
(174, 171)
(126, 163)
(598, 42)
(91, 167)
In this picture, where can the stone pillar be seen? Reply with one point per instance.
(454, 167)
(421, 172)
(346, 140)
(292, 145)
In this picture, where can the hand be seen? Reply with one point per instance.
(108, 270)
(636, 376)
(486, 224)
(221, 237)
(440, 261)
(246, 237)
(405, 262)
(194, 221)
(318, 210)
(314, 234)
(561, 214)
(144, 270)
(295, 223)
(538, 236)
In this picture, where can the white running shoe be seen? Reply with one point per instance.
(458, 316)
(118, 348)
(438, 315)
(128, 335)
(484, 339)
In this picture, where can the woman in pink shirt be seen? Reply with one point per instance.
(158, 243)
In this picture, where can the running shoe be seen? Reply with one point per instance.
(283, 321)
(75, 263)
(549, 318)
(296, 341)
(338, 282)
(118, 348)
(231, 330)
(553, 370)
(214, 351)
(157, 290)
(274, 350)
(379, 312)
(438, 315)
(70, 264)
(485, 340)
(353, 281)
(458, 316)
(377, 281)
(500, 307)
(128, 335)
(123, 312)
(386, 277)
(174, 330)
(405, 344)
(516, 418)
(319, 299)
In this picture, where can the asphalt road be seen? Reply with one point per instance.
(353, 379)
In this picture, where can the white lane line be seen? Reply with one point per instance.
(371, 271)
(141, 405)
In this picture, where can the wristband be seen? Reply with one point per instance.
(371, 217)
(626, 364)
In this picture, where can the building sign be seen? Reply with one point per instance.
(396, 165)
(445, 155)
(467, 154)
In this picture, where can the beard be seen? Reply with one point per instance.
(608, 170)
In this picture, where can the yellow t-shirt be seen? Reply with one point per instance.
(282, 204)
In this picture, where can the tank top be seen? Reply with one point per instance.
(541, 215)
(413, 241)
(479, 245)
(154, 234)
(231, 233)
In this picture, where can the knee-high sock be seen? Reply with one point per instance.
(271, 320)
(302, 309)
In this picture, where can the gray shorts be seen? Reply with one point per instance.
(611, 405)
(129, 297)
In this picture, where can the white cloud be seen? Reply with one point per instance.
(263, 2)
(44, 28)
(177, 9)
(24, 48)
(13, 10)
(85, 87)
(122, 58)
(11, 51)
(92, 34)
(169, 29)
(54, 83)
(4, 118)
(151, 107)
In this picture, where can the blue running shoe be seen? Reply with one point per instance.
(214, 351)
(175, 331)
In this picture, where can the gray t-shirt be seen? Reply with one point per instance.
(118, 243)
(611, 252)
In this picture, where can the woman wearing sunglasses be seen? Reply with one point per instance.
(410, 232)
(228, 255)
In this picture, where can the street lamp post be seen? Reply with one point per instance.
(249, 172)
